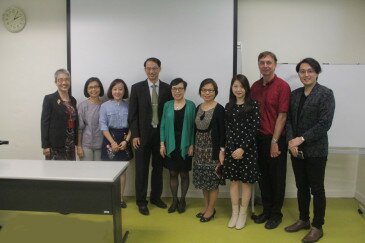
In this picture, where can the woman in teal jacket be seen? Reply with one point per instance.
(177, 140)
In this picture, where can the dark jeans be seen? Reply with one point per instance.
(309, 177)
(273, 176)
(142, 158)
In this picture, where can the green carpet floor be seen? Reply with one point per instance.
(343, 224)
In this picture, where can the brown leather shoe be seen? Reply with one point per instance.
(313, 236)
(300, 224)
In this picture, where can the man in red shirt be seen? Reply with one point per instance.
(273, 95)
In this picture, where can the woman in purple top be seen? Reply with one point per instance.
(90, 136)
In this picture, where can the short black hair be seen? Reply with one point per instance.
(267, 53)
(208, 81)
(87, 85)
(311, 62)
(115, 82)
(152, 59)
(177, 81)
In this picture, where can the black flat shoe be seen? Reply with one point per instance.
(182, 206)
(273, 223)
(204, 219)
(174, 206)
(158, 202)
(262, 218)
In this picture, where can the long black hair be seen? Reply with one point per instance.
(233, 100)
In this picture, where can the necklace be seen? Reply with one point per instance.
(178, 106)
(95, 101)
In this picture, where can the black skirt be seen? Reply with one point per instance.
(178, 163)
(118, 135)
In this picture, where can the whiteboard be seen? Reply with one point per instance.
(112, 39)
(348, 84)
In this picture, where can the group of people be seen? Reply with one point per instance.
(93, 130)
(244, 142)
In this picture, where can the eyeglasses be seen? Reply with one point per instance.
(154, 69)
(179, 89)
(63, 80)
(210, 91)
(94, 87)
(304, 72)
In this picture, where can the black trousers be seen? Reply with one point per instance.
(309, 177)
(273, 175)
(142, 159)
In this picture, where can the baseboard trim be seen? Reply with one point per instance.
(360, 197)
(288, 194)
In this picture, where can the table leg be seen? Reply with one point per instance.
(117, 214)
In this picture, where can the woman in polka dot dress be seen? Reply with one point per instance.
(240, 163)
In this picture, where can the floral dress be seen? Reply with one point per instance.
(204, 176)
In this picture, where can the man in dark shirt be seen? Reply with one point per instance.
(273, 95)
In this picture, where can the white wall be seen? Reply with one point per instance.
(340, 176)
(28, 60)
(331, 31)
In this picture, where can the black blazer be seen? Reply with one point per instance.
(314, 121)
(140, 108)
(217, 128)
(54, 121)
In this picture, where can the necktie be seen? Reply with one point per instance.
(154, 106)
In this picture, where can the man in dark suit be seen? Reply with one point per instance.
(310, 117)
(145, 110)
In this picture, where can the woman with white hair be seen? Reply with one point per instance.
(59, 121)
